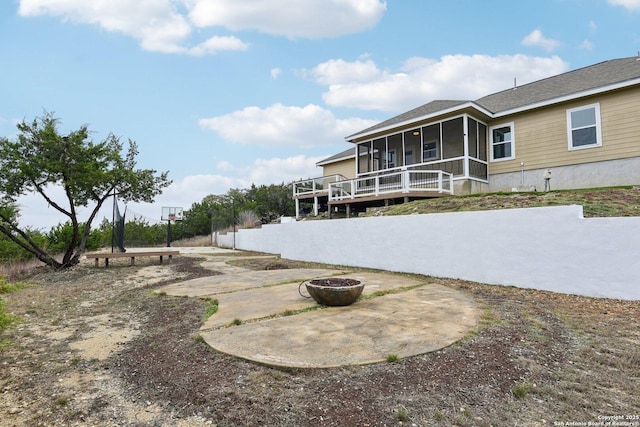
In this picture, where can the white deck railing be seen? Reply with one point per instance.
(315, 186)
(402, 182)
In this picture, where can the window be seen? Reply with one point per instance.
(583, 127)
(502, 142)
(430, 142)
(391, 159)
(453, 138)
(430, 151)
(364, 157)
(408, 157)
(472, 135)
(412, 147)
(379, 150)
(482, 141)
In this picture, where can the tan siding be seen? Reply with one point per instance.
(346, 168)
(541, 136)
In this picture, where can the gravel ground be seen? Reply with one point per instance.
(97, 347)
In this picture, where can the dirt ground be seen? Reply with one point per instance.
(96, 347)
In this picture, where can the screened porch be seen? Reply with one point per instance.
(457, 146)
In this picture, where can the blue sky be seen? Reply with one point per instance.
(226, 93)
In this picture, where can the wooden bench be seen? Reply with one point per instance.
(108, 255)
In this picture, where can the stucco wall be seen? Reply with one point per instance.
(544, 248)
(592, 175)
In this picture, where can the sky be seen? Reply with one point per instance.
(228, 93)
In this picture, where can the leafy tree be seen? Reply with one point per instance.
(138, 232)
(88, 173)
(59, 237)
(217, 211)
(11, 252)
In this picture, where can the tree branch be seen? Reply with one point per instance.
(50, 201)
(8, 228)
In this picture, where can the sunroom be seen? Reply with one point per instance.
(417, 160)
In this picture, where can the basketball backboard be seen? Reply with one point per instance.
(171, 214)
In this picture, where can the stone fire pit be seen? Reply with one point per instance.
(334, 291)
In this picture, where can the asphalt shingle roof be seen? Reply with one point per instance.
(351, 152)
(581, 80)
(593, 77)
(423, 110)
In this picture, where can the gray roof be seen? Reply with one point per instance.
(351, 152)
(570, 84)
(585, 79)
(423, 110)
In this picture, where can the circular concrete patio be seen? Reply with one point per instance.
(416, 318)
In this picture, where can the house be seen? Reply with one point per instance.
(582, 126)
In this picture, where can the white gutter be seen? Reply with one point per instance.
(565, 98)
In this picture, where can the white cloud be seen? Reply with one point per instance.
(162, 26)
(339, 71)
(592, 26)
(275, 73)
(216, 44)
(421, 80)
(586, 45)
(156, 24)
(631, 5)
(281, 125)
(192, 189)
(182, 192)
(224, 166)
(536, 38)
(291, 18)
(276, 170)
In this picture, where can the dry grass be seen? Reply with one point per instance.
(197, 241)
(537, 358)
(16, 269)
(604, 202)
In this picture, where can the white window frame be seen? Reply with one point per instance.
(408, 157)
(570, 128)
(390, 162)
(512, 142)
(434, 150)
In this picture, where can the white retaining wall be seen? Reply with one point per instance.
(551, 248)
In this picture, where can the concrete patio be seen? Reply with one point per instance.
(418, 317)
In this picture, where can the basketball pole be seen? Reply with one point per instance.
(169, 233)
(113, 219)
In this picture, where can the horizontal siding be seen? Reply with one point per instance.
(541, 136)
(346, 168)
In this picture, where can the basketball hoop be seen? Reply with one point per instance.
(172, 214)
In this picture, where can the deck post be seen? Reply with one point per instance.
(297, 208)
(315, 205)
(406, 181)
